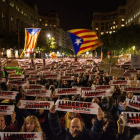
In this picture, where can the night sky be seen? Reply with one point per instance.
(75, 14)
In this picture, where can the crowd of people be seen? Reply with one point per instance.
(108, 124)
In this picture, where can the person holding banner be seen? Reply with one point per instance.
(32, 124)
(76, 130)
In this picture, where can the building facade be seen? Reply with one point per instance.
(50, 25)
(132, 11)
(16, 15)
(108, 22)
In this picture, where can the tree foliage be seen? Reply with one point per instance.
(122, 40)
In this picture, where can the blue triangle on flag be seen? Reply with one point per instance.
(76, 42)
(33, 31)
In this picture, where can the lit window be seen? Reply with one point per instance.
(50, 25)
(17, 8)
(113, 31)
(12, 4)
(107, 32)
(122, 25)
(110, 32)
(116, 26)
(21, 11)
(3, 0)
(46, 24)
(96, 28)
(122, 19)
(102, 33)
(54, 25)
(131, 19)
(126, 22)
(12, 19)
(40, 19)
(113, 27)
(2, 14)
(114, 22)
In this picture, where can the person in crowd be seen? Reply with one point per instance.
(76, 130)
(4, 127)
(31, 124)
(65, 120)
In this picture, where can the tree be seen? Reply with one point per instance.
(122, 40)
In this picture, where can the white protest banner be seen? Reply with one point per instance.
(77, 107)
(135, 61)
(105, 67)
(21, 135)
(137, 98)
(68, 91)
(68, 78)
(24, 66)
(6, 109)
(35, 86)
(92, 93)
(87, 88)
(12, 63)
(131, 89)
(34, 73)
(8, 94)
(103, 87)
(77, 71)
(17, 83)
(117, 72)
(133, 104)
(132, 71)
(33, 79)
(37, 92)
(120, 82)
(15, 76)
(34, 104)
(131, 119)
(51, 76)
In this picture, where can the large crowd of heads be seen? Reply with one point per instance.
(37, 120)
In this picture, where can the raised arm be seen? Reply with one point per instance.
(55, 126)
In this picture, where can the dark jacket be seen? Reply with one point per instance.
(63, 134)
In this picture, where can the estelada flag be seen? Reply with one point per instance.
(84, 40)
(31, 36)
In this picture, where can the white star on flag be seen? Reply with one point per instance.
(78, 41)
(32, 33)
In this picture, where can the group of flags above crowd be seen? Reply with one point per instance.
(82, 40)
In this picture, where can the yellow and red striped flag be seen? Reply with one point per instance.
(31, 36)
(84, 40)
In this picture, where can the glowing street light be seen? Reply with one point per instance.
(48, 35)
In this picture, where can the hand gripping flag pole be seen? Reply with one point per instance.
(84, 40)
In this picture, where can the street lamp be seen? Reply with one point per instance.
(133, 49)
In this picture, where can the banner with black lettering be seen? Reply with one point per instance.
(21, 135)
(77, 71)
(6, 109)
(37, 92)
(15, 76)
(92, 93)
(133, 104)
(34, 104)
(77, 107)
(18, 83)
(70, 78)
(103, 87)
(120, 82)
(87, 88)
(8, 94)
(51, 76)
(137, 98)
(68, 91)
(131, 89)
(131, 119)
